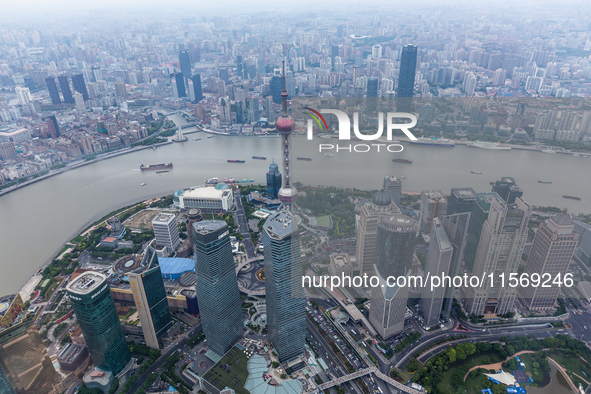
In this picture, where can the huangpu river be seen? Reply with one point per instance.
(38, 219)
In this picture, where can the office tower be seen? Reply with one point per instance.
(406, 79)
(80, 85)
(97, 74)
(197, 89)
(218, 296)
(438, 262)
(551, 253)
(7, 150)
(372, 87)
(239, 113)
(25, 366)
(65, 87)
(150, 299)
(93, 304)
(395, 244)
(433, 205)
(120, 90)
(334, 52)
(23, 95)
(224, 75)
(381, 205)
(79, 101)
(239, 64)
(255, 115)
(166, 231)
(185, 63)
(393, 187)
(194, 215)
(275, 87)
(52, 126)
(339, 31)
(479, 215)
(270, 110)
(273, 181)
(499, 252)
(426, 114)
(178, 85)
(456, 229)
(507, 188)
(52, 89)
(461, 199)
(376, 51)
(286, 314)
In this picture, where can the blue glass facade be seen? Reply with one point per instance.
(286, 313)
(98, 319)
(273, 180)
(220, 305)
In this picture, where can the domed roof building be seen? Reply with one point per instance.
(381, 199)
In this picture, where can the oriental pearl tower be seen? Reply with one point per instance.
(287, 194)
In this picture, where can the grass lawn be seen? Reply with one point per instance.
(405, 375)
(230, 371)
(445, 385)
(573, 364)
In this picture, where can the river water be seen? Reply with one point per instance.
(38, 219)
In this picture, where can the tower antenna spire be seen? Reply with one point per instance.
(284, 91)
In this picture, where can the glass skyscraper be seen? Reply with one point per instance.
(178, 85)
(477, 219)
(276, 89)
(197, 89)
(406, 79)
(66, 91)
(185, 62)
(52, 89)
(217, 291)
(80, 85)
(286, 313)
(93, 303)
(150, 299)
(273, 180)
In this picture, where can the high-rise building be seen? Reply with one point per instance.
(150, 299)
(52, 127)
(25, 366)
(461, 200)
(166, 231)
(120, 90)
(270, 110)
(197, 89)
(507, 188)
(217, 291)
(381, 205)
(551, 253)
(275, 87)
(479, 215)
(23, 94)
(501, 245)
(223, 73)
(406, 79)
(433, 205)
(395, 244)
(239, 113)
(185, 63)
(456, 229)
(65, 87)
(194, 215)
(372, 87)
(439, 258)
(79, 101)
(52, 89)
(286, 314)
(273, 181)
(178, 85)
(393, 187)
(7, 150)
(80, 85)
(93, 304)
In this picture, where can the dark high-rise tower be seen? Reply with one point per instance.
(52, 89)
(80, 85)
(178, 85)
(185, 62)
(219, 300)
(93, 303)
(52, 127)
(461, 200)
(372, 87)
(65, 87)
(479, 215)
(406, 78)
(507, 188)
(276, 89)
(197, 89)
(273, 180)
